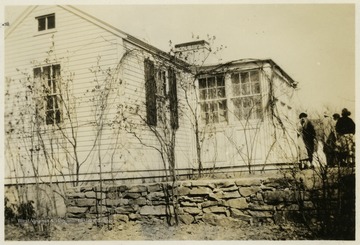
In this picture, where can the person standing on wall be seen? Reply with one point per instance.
(307, 133)
(345, 144)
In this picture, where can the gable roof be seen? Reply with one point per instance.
(95, 21)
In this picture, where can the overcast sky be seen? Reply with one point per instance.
(313, 43)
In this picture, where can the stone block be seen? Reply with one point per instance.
(202, 183)
(156, 196)
(186, 219)
(200, 191)
(226, 184)
(249, 191)
(76, 210)
(210, 203)
(125, 210)
(122, 188)
(75, 195)
(154, 210)
(267, 188)
(275, 197)
(154, 188)
(276, 182)
(221, 220)
(259, 196)
(212, 219)
(239, 203)
(133, 216)
(258, 207)
(231, 188)
(120, 218)
(191, 199)
(238, 214)
(158, 202)
(113, 195)
(99, 209)
(115, 202)
(84, 202)
(192, 210)
(95, 195)
(139, 201)
(137, 189)
(260, 214)
(233, 194)
(188, 204)
(224, 195)
(217, 196)
(248, 182)
(215, 209)
(133, 195)
(185, 184)
(183, 191)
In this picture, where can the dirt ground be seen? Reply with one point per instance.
(159, 231)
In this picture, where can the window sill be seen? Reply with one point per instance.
(45, 32)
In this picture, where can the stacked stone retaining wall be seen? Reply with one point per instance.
(211, 201)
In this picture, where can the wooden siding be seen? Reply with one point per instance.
(78, 46)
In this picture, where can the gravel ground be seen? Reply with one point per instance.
(159, 231)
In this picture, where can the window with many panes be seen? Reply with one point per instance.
(46, 22)
(213, 99)
(49, 76)
(246, 95)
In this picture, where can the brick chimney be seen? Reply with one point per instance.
(194, 52)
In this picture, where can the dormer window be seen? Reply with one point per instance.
(46, 22)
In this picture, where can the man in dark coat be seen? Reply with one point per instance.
(307, 132)
(345, 129)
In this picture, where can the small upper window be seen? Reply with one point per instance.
(46, 22)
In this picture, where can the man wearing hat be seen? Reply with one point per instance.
(307, 133)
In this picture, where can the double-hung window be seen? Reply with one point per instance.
(212, 97)
(50, 81)
(46, 22)
(246, 95)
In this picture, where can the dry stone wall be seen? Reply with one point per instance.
(211, 201)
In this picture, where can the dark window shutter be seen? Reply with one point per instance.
(174, 116)
(150, 90)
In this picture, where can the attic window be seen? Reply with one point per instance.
(46, 22)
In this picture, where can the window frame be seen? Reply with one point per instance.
(161, 80)
(213, 99)
(49, 77)
(45, 18)
(249, 93)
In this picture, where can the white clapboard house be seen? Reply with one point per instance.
(86, 101)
